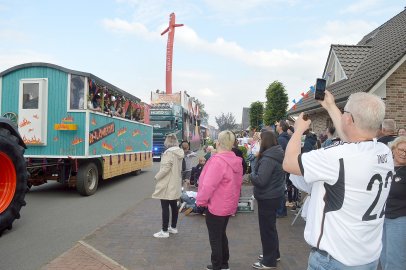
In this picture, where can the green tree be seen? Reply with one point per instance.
(226, 122)
(276, 103)
(256, 115)
(202, 112)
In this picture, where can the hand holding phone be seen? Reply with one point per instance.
(305, 117)
(302, 124)
(320, 89)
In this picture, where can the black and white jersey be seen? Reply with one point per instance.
(351, 183)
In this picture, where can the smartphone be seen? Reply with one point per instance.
(320, 88)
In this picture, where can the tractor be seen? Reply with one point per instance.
(13, 174)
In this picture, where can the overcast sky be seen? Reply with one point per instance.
(226, 54)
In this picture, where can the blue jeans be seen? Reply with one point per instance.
(318, 261)
(190, 202)
(394, 244)
(282, 211)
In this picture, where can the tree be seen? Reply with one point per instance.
(256, 115)
(203, 114)
(276, 103)
(226, 121)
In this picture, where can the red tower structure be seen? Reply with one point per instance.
(169, 51)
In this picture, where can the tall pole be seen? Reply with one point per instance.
(169, 51)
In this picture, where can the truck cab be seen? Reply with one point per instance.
(165, 119)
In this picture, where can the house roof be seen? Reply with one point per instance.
(367, 62)
(350, 57)
(75, 72)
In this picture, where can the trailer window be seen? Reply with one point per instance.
(30, 95)
(162, 124)
(77, 92)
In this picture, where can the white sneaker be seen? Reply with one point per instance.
(161, 234)
(261, 257)
(182, 206)
(172, 230)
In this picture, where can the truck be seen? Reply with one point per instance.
(13, 174)
(173, 113)
(78, 128)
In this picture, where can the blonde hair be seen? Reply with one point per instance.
(226, 140)
(394, 144)
(171, 141)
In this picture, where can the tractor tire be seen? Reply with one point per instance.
(13, 179)
(87, 179)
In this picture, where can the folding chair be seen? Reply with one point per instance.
(300, 210)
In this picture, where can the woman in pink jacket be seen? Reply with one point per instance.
(219, 190)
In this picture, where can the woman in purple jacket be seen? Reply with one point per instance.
(221, 178)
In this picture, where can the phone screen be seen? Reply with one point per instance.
(320, 88)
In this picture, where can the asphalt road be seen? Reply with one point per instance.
(56, 217)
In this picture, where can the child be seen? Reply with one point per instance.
(189, 203)
(196, 171)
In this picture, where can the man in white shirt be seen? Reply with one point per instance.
(350, 185)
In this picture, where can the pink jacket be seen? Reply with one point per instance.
(220, 184)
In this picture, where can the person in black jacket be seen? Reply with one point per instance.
(240, 154)
(283, 138)
(309, 141)
(196, 171)
(268, 179)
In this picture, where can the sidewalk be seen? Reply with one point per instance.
(127, 243)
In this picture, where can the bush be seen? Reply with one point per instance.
(244, 151)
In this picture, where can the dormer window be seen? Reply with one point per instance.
(334, 72)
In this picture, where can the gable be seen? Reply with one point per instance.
(365, 64)
(334, 72)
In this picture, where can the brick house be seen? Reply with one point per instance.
(377, 64)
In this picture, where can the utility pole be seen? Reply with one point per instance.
(169, 51)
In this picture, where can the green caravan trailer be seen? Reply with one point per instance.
(66, 140)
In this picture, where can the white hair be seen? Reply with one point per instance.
(368, 111)
(389, 125)
(171, 141)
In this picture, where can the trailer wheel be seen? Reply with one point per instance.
(87, 179)
(13, 179)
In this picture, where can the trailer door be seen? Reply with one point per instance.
(32, 111)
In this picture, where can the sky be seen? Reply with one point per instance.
(227, 53)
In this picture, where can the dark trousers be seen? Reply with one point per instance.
(165, 213)
(293, 192)
(281, 211)
(267, 229)
(216, 225)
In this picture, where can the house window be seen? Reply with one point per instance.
(77, 92)
(334, 72)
